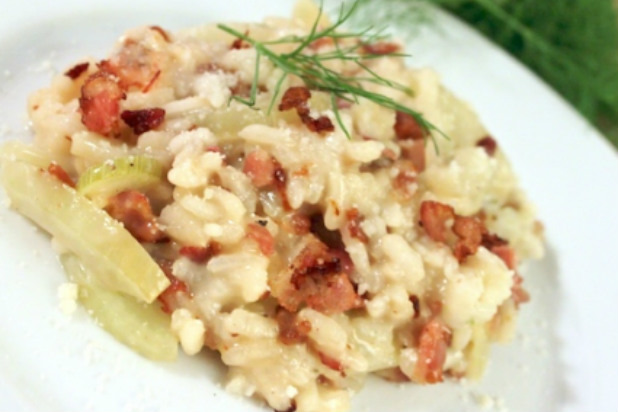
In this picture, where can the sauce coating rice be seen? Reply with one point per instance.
(307, 258)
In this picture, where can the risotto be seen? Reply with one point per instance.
(210, 196)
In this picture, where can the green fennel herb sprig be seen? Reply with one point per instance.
(310, 67)
(572, 45)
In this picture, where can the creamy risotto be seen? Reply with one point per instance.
(311, 242)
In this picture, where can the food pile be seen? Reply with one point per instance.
(289, 195)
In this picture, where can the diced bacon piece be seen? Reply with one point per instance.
(492, 240)
(291, 329)
(380, 48)
(200, 254)
(260, 167)
(433, 342)
(434, 219)
(77, 70)
(169, 298)
(144, 120)
(406, 127)
(489, 144)
(414, 151)
(239, 44)
(354, 220)
(262, 237)
(134, 65)
(331, 363)
(132, 208)
(59, 173)
(100, 104)
(320, 278)
(243, 89)
(297, 98)
(519, 294)
(405, 180)
(389, 154)
(470, 233)
(319, 125)
(501, 248)
(507, 254)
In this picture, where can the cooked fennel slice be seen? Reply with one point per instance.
(22, 152)
(103, 245)
(114, 176)
(142, 327)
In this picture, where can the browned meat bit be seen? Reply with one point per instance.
(297, 98)
(380, 48)
(264, 170)
(414, 151)
(132, 208)
(501, 248)
(406, 127)
(353, 225)
(77, 70)
(100, 104)
(434, 219)
(405, 180)
(144, 120)
(200, 254)
(243, 89)
(291, 329)
(59, 173)
(433, 342)
(319, 125)
(489, 144)
(262, 237)
(519, 294)
(470, 233)
(239, 43)
(170, 297)
(320, 278)
(134, 65)
(260, 167)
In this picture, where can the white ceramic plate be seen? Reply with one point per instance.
(564, 358)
